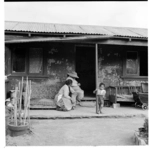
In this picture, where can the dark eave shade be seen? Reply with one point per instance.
(47, 39)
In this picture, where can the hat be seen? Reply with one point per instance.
(73, 74)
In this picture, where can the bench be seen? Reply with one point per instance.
(122, 93)
(144, 92)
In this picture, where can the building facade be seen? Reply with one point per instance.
(47, 52)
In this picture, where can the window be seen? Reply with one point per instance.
(27, 62)
(132, 63)
(35, 60)
(136, 63)
(19, 60)
(144, 63)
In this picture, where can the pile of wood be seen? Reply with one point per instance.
(20, 115)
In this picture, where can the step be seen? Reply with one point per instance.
(89, 99)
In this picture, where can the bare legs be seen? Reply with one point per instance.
(100, 103)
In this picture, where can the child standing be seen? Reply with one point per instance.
(9, 103)
(100, 93)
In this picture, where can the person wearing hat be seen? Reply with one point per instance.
(75, 87)
(63, 100)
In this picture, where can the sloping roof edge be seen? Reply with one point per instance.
(46, 39)
(33, 27)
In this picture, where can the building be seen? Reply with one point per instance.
(45, 52)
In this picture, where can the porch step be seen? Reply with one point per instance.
(41, 107)
(88, 99)
(42, 104)
(48, 104)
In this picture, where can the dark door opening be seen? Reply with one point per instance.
(85, 67)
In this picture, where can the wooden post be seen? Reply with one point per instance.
(26, 100)
(19, 92)
(29, 105)
(116, 91)
(15, 106)
(96, 72)
(21, 89)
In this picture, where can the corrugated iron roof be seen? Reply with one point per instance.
(75, 29)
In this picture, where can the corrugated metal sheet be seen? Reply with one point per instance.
(75, 29)
(122, 31)
(96, 30)
(10, 25)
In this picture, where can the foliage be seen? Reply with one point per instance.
(146, 126)
(143, 132)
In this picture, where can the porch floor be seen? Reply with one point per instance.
(49, 103)
(89, 111)
(89, 98)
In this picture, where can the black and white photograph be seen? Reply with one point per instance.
(75, 73)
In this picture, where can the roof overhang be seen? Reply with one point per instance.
(57, 39)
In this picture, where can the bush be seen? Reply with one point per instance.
(146, 126)
(143, 132)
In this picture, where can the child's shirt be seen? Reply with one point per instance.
(100, 92)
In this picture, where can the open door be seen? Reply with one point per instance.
(85, 67)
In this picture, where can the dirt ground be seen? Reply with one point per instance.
(79, 132)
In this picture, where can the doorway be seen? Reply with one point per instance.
(85, 67)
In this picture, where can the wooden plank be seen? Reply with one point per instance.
(87, 41)
(96, 72)
(96, 64)
(7, 60)
(87, 98)
(116, 94)
(125, 100)
(48, 39)
(124, 42)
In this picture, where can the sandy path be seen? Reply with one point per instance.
(79, 132)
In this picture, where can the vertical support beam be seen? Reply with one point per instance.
(7, 61)
(116, 94)
(7, 69)
(96, 72)
(96, 64)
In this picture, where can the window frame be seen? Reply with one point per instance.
(42, 72)
(18, 73)
(138, 62)
(26, 73)
(131, 76)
